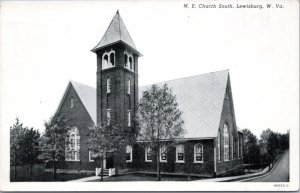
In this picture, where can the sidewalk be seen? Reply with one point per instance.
(241, 178)
(88, 179)
(234, 178)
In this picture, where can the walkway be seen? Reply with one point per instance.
(87, 179)
(280, 173)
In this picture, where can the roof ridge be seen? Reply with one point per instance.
(186, 77)
(73, 81)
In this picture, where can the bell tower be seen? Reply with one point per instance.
(117, 76)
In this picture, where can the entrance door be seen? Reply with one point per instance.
(109, 160)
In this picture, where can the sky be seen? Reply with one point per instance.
(44, 44)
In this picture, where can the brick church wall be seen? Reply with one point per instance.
(232, 165)
(188, 167)
(77, 117)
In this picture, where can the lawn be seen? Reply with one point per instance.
(145, 177)
(39, 174)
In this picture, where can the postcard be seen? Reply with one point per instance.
(174, 95)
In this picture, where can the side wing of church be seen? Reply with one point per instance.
(212, 144)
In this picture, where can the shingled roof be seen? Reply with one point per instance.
(87, 96)
(200, 98)
(116, 32)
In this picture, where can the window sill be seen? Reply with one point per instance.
(72, 160)
(128, 161)
(180, 162)
(91, 160)
(127, 68)
(198, 162)
(148, 160)
(163, 161)
(106, 68)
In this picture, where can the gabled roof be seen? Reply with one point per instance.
(116, 32)
(87, 95)
(201, 99)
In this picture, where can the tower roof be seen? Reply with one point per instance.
(116, 32)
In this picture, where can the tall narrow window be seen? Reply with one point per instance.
(108, 85)
(129, 118)
(112, 59)
(73, 145)
(180, 153)
(130, 63)
(219, 146)
(241, 141)
(198, 153)
(108, 116)
(231, 145)
(72, 103)
(148, 154)
(105, 61)
(128, 86)
(226, 142)
(163, 153)
(91, 155)
(126, 60)
(238, 146)
(128, 153)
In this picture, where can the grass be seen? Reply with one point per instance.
(39, 174)
(145, 177)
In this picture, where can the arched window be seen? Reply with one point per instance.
(126, 60)
(241, 147)
(73, 145)
(180, 153)
(219, 146)
(238, 146)
(148, 154)
(105, 61)
(71, 102)
(128, 153)
(163, 153)
(198, 153)
(231, 145)
(130, 63)
(108, 59)
(112, 59)
(226, 142)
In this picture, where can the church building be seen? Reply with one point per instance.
(212, 144)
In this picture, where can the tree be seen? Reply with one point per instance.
(53, 141)
(17, 133)
(31, 147)
(104, 139)
(251, 150)
(159, 118)
(263, 144)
